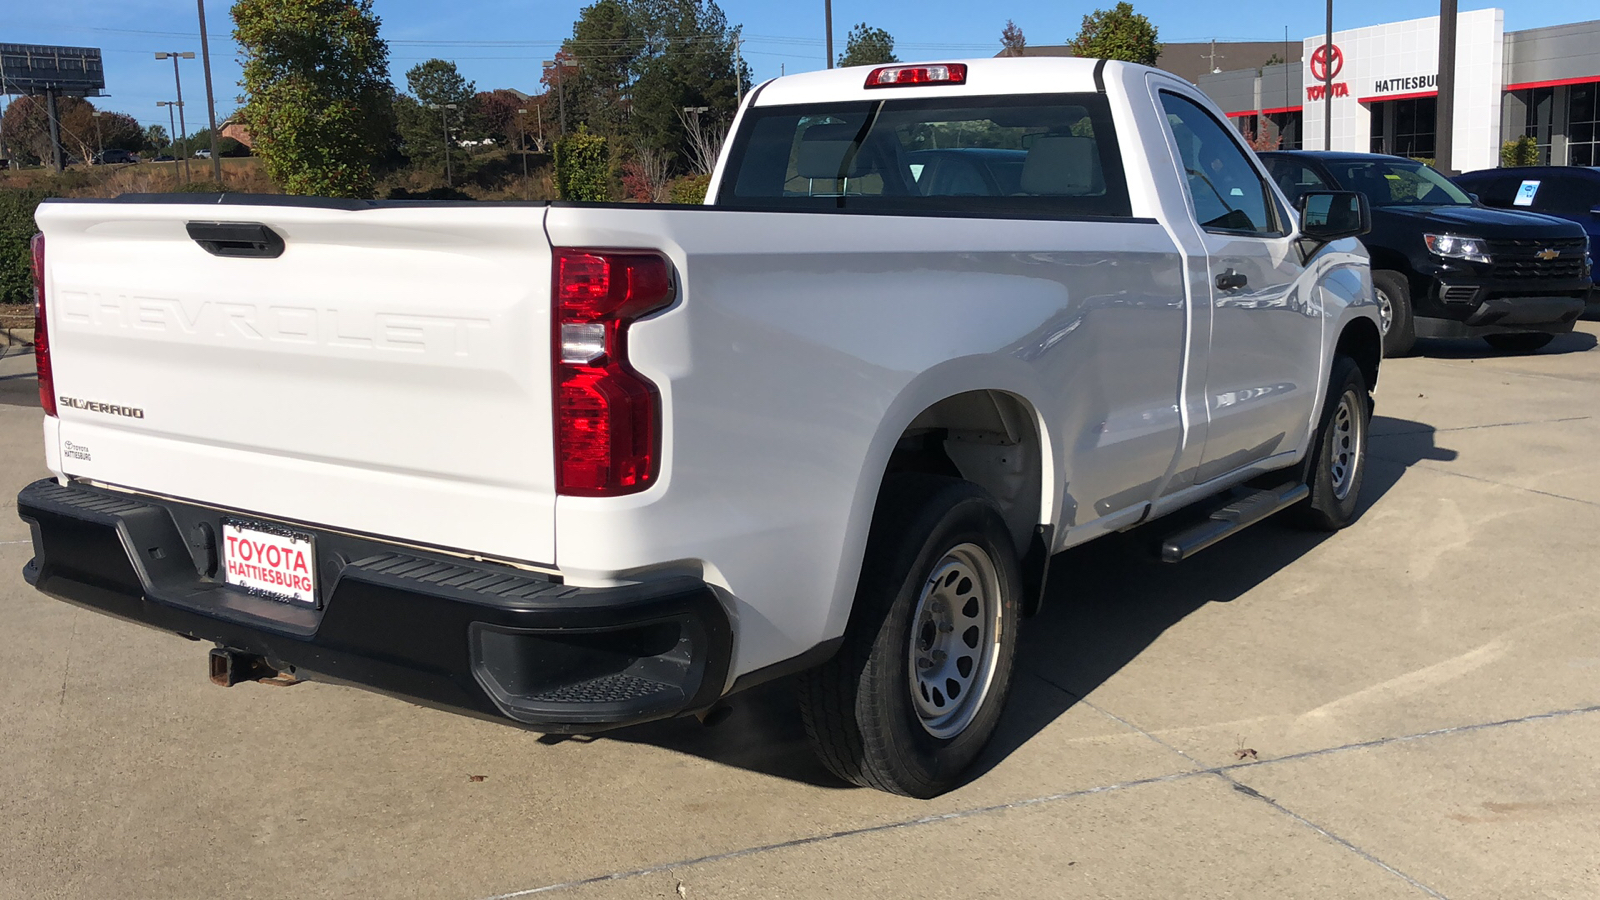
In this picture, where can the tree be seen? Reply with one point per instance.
(609, 42)
(155, 139)
(866, 46)
(690, 61)
(1011, 40)
(27, 130)
(1273, 60)
(1117, 33)
(497, 114)
(317, 93)
(423, 116)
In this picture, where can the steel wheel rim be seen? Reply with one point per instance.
(955, 640)
(1347, 437)
(1385, 312)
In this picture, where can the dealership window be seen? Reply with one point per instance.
(1583, 124)
(1539, 118)
(1405, 127)
(1287, 126)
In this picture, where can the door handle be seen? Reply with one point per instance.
(1230, 280)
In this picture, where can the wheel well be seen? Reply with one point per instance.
(1361, 342)
(989, 438)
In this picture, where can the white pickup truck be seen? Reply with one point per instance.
(577, 466)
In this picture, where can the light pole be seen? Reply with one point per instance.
(1445, 115)
(172, 126)
(1327, 83)
(444, 122)
(211, 104)
(178, 83)
(561, 89)
(827, 19)
(99, 137)
(522, 149)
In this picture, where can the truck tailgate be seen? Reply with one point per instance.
(388, 374)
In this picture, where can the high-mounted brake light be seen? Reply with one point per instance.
(903, 76)
(41, 335)
(607, 416)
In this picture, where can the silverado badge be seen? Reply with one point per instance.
(1548, 254)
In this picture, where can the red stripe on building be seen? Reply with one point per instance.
(1241, 114)
(1384, 98)
(1559, 82)
(1282, 109)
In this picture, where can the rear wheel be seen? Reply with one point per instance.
(916, 691)
(1395, 320)
(1338, 459)
(1518, 343)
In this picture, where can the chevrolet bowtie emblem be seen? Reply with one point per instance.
(1547, 253)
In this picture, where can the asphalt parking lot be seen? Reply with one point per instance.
(1410, 708)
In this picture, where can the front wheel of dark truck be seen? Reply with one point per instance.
(916, 690)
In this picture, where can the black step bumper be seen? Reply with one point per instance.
(478, 638)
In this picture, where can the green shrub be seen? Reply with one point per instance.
(1524, 151)
(583, 167)
(689, 189)
(16, 230)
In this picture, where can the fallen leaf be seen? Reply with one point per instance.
(683, 891)
(1244, 752)
(476, 777)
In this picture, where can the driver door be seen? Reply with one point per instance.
(1266, 326)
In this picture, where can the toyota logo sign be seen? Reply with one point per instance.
(1322, 58)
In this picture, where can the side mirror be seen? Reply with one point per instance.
(1476, 200)
(1327, 216)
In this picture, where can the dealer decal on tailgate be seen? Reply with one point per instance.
(272, 561)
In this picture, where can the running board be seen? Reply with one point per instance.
(1231, 519)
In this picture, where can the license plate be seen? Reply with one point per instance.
(273, 562)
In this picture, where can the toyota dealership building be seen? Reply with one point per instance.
(1543, 82)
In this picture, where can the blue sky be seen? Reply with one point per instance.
(499, 43)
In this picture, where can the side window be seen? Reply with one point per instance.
(1225, 192)
(1294, 178)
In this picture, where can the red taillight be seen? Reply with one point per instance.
(900, 76)
(41, 334)
(607, 416)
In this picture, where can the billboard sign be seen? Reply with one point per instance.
(34, 68)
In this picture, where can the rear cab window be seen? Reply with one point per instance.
(1044, 156)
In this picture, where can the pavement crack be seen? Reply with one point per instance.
(1479, 478)
(1221, 772)
(1432, 430)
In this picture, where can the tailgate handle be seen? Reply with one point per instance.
(247, 239)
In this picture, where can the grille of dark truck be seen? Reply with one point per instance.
(1522, 258)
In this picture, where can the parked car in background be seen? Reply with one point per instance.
(1566, 192)
(165, 157)
(114, 157)
(1444, 266)
(202, 153)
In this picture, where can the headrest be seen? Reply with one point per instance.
(1062, 164)
(822, 150)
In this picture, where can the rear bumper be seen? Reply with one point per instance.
(476, 638)
(1501, 315)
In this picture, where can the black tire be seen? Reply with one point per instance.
(1346, 417)
(1401, 335)
(860, 708)
(1518, 343)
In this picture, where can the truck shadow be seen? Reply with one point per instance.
(1472, 348)
(1106, 602)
